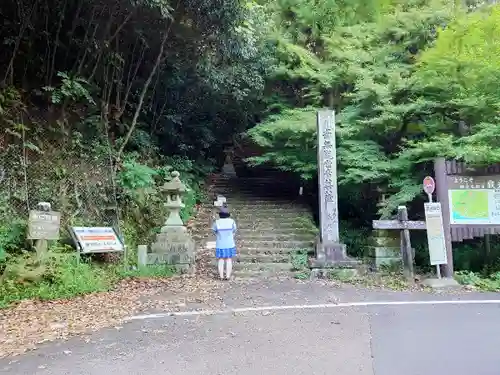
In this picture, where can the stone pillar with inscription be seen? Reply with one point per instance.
(330, 252)
(174, 245)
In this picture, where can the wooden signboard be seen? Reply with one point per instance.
(44, 225)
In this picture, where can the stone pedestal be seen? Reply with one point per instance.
(330, 255)
(443, 283)
(174, 245)
(385, 249)
(228, 167)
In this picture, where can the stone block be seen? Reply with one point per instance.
(341, 274)
(443, 283)
(173, 247)
(332, 255)
(384, 256)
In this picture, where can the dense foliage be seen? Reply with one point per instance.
(101, 100)
(409, 81)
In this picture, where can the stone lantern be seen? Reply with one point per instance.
(175, 189)
(174, 246)
(228, 167)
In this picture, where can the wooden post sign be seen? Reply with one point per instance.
(96, 240)
(44, 225)
(404, 226)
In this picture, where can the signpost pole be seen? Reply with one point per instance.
(429, 187)
(442, 195)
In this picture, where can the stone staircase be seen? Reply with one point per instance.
(272, 223)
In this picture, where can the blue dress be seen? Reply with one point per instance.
(224, 230)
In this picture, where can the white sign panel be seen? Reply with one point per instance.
(97, 239)
(220, 201)
(435, 233)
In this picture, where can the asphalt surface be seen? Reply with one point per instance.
(408, 339)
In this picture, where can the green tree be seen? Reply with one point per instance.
(364, 69)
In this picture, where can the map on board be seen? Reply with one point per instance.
(474, 200)
(469, 205)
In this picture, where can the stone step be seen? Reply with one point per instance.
(270, 267)
(282, 220)
(263, 258)
(250, 274)
(262, 191)
(265, 213)
(253, 191)
(244, 180)
(254, 201)
(276, 221)
(253, 237)
(257, 251)
(270, 205)
(271, 226)
(244, 243)
(249, 208)
(252, 232)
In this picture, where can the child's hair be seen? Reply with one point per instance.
(224, 214)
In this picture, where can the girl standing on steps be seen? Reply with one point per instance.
(224, 229)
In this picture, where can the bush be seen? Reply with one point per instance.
(11, 237)
(59, 274)
(488, 284)
(357, 240)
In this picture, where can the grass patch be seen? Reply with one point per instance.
(58, 275)
(159, 271)
(487, 284)
(61, 274)
(300, 264)
(344, 275)
(389, 277)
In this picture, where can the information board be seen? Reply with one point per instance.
(474, 200)
(44, 225)
(435, 234)
(97, 239)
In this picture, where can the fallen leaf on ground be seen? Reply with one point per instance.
(31, 322)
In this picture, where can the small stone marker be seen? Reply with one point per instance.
(173, 246)
(404, 226)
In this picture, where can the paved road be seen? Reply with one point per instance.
(409, 339)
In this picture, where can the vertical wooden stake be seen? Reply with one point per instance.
(41, 247)
(487, 250)
(406, 250)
